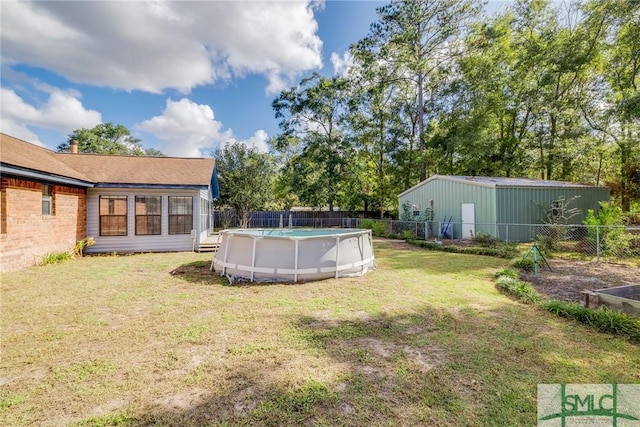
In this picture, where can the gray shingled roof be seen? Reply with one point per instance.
(16, 152)
(107, 169)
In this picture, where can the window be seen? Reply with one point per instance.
(205, 217)
(415, 209)
(148, 215)
(557, 209)
(113, 215)
(47, 199)
(180, 214)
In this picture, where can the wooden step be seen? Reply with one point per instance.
(208, 247)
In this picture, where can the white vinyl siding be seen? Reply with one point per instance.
(204, 207)
(164, 242)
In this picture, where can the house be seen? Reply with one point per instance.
(485, 204)
(49, 201)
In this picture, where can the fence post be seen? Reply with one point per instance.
(507, 233)
(598, 243)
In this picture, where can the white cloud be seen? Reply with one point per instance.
(341, 63)
(258, 141)
(19, 131)
(63, 112)
(188, 129)
(154, 45)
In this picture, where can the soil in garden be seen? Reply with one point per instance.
(568, 278)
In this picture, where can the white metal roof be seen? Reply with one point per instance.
(500, 182)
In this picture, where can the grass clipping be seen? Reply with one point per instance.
(602, 318)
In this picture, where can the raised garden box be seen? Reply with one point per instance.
(623, 298)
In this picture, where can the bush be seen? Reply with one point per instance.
(408, 235)
(507, 272)
(56, 258)
(377, 228)
(485, 239)
(614, 241)
(523, 291)
(525, 264)
(603, 319)
(80, 247)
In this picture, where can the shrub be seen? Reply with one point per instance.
(87, 242)
(507, 272)
(55, 258)
(377, 228)
(525, 264)
(408, 235)
(614, 241)
(485, 239)
(523, 291)
(603, 319)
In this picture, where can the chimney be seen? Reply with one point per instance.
(73, 146)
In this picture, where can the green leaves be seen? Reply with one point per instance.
(107, 138)
(246, 178)
(543, 90)
(317, 154)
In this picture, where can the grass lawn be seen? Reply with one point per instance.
(154, 339)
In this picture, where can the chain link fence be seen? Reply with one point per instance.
(280, 219)
(598, 242)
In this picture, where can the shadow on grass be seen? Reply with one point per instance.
(198, 272)
(461, 366)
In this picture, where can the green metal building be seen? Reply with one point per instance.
(498, 206)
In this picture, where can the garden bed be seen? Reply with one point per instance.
(568, 278)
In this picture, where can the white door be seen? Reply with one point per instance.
(468, 220)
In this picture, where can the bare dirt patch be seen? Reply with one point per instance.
(567, 279)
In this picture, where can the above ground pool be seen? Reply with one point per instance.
(293, 255)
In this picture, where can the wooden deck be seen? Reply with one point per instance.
(210, 244)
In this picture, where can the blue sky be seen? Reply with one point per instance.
(174, 112)
(184, 77)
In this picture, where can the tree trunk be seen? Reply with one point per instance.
(423, 160)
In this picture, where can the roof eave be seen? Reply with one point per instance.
(6, 169)
(447, 178)
(152, 186)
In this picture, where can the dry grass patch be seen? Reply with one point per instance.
(155, 339)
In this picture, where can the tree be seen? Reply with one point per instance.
(246, 178)
(373, 122)
(310, 117)
(615, 113)
(419, 40)
(107, 138)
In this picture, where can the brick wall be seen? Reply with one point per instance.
(27, 235)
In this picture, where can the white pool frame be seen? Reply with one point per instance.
(263, 255)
